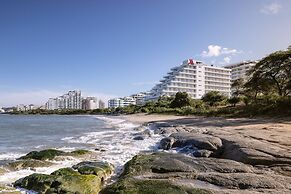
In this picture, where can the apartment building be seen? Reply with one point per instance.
(240, 70)
(193, 77)
(71, 101)
(121, 102)
(90, 103)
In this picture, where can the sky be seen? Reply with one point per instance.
(116, 48)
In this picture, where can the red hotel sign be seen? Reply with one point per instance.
(191, 62)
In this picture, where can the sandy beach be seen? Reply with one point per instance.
(277, 131)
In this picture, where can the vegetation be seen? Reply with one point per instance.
(266, 92)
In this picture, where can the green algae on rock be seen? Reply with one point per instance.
(50, 154)
(68, 180)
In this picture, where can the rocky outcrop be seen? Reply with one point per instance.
(29, 163)
(200, 145)
(165, 172)
(85, 178)
(51, 154)
(254, 152)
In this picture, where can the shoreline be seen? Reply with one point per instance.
(271, 138)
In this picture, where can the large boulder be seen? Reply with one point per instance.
(241, 180)
(157, 173)
(51, 154)
(29, 163)
(200, 141)
(85, 178)
(254, 152)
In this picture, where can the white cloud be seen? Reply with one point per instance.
(271, 9)
(227, 59)
(216, 50)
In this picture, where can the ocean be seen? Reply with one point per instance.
(20, 134)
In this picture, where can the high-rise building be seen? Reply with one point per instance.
(192, 77)
(240, 70)
(90, 103)
(101, 104)
(71, 101)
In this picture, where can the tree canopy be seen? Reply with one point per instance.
(272, 75)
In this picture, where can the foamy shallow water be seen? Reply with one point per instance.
(114, 145)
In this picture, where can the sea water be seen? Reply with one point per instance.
(20, 134)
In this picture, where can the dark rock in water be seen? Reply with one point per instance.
(86, 179)
(167, 143)
(100, 149)
(202, 153)
(43, 155)
(200, 141)
(50, 154)
(139, 137)
(29, 163)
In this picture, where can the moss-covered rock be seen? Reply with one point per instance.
(29, 163)
(68, 180)
(51, 154)
(96, 168)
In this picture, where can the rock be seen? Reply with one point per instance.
(136, 186)
(139, 137)
(51, 154)
(202, 153)
(94, 168)
(43, 155)
(254, 152)
(177, 173)
(100, 149)
(69, 180)
(29, 163)
(200, 141)
(167, 143)
(241, 181)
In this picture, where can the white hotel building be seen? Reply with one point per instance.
(195, 78)
(240, 70)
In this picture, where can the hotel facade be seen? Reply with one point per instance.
(240, 70)
(195, 78)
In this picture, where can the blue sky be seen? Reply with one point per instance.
(116, 48)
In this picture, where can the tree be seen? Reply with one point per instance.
(272, 74)
(181, 99)
(234, 100)
(213, 98)
(237, 87)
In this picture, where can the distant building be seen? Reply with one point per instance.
(23, 108)
(115, 102)
(121, 102)
(90, 103)
(240, 70)
(139, 98)
(101, 104)
(70, 101)
(192, 77)
(2, 110)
